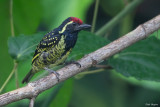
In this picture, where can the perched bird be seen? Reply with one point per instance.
(55, 46)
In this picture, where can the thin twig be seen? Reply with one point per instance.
(80, 75)
(95, 16)
(16, 79)
(13, 34)
(32, 102)
(14, 70)
(9, 77)
(11, 18)
(128, 9)
(103, 66)
(33, 89)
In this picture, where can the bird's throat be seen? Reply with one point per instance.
(71, 40)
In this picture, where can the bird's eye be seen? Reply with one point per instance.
(74, 24)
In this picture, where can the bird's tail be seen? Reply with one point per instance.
(28, 77)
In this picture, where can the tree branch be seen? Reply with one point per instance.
(33, 89)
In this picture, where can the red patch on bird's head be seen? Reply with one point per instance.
(77, 20)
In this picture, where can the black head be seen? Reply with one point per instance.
(72, 24)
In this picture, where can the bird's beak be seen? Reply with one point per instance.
(82, 27)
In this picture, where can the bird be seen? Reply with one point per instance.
(55, 47)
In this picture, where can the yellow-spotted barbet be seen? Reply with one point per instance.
(55, 46)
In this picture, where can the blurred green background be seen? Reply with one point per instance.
(130, 78)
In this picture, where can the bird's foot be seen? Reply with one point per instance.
(73, 62)
(52, 71)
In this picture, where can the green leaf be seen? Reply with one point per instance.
(22, 47)
(87, 42)
(141, 60)
(64, 95)
(154, 85)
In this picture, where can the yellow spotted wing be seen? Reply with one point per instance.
(47, 42)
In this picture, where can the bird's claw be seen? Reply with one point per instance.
(52, 71)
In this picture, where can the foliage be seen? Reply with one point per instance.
(140, 60)
(133, 81)
(23, 47)
(87, 43)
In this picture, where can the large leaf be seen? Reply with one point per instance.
(22, 47)
(141, 60)
(87, 43)
(154, 85)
